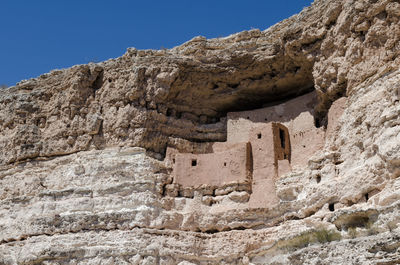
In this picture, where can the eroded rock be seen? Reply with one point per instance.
(79, 184)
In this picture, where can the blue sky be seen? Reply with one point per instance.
(38, 36)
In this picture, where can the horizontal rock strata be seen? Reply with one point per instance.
(83, 179)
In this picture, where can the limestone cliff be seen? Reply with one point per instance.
(83, 172)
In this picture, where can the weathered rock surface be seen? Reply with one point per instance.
(81, 175)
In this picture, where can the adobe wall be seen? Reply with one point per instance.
(261, 139)
(305, 139)
(240, 123)
(295, 114)
(261, 145)
(214, 169)
(256, 163)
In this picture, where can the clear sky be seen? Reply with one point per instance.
(38, 36)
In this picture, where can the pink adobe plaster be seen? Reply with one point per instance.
(262, 145)
(214, 169)
(240, 123)
(295, 114)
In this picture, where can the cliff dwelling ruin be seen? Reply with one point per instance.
(215, 151)
(262, 145)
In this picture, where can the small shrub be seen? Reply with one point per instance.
(371, 229)
(327, 236)
(391, 226)
(352, 231)
(308, 238)
(300, 241)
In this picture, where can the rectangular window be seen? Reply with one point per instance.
(194, 162)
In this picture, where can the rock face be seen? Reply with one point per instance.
(86, 178)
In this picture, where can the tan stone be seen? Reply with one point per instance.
(76, 189)
(215, 169)
(334, 114)
(264, 194)
(297, 115)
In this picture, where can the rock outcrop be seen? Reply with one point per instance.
(82, 171)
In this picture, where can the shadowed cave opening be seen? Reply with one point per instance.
(260, 99)
(206, 96)
(98, 82)
(247, 86)
(247, 102)
(318, 178)
(243, 105)
(241, 83)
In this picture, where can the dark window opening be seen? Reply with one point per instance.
(318, 179)
(282, 137)
(194, 162)
(317, 123)
(331, 207)
(173, 160)
(248, 118)
(366, 197)
(109, 80)
(224, 164)
(285, 156)
(259, 135)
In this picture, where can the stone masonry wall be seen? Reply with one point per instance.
(233, 165)
(76, 189)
